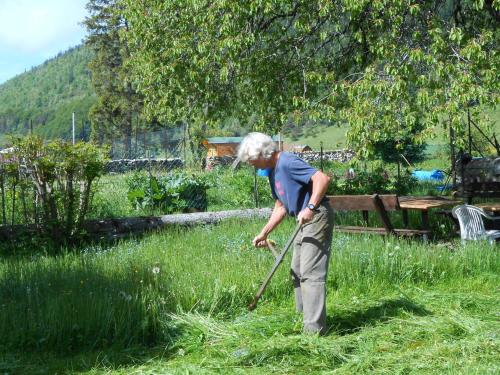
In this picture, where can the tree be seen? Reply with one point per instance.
(376, 64)
(395, 147)
(118, 100)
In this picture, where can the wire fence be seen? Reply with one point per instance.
(163, 143)
(173, 173)
(163, 172)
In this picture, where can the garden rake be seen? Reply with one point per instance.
(277, 262)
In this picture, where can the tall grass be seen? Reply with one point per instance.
(126, 295)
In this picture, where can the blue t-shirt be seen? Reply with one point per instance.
(290, 182)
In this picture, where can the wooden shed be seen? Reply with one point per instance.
(225, 146)
(222, 146)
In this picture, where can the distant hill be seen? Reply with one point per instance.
(47, 95)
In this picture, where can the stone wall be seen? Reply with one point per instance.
(217, 161)
(125, 165)
(342, 156)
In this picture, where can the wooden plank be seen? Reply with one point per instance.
(379, 206)
(366, 218)
(426, 203)
(362, 202)
(411, 232)
(355, 229)
(489, 206)
(405, 218)
(373, 230)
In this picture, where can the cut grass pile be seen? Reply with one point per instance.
(175, 302)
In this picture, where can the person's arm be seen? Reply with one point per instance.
(278, 214)
(319, 182)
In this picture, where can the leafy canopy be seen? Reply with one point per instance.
(386, 67)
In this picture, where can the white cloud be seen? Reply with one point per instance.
(33, 26)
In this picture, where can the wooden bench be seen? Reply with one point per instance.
(382, 204)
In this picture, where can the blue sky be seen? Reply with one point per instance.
(32, 31)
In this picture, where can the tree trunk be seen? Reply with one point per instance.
(70, 204)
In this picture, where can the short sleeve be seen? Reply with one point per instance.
(300, 171)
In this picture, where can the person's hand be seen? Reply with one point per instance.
(305, 216)
(260, 241)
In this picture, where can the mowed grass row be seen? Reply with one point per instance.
(393, 307)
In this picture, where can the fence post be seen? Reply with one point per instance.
(453, 158)
(35, 194)
(184, 144)
(321, 155)
(136, 153)
(13, 201)
(399, 173)
(470, 133)
(2, 187)
(255, 188)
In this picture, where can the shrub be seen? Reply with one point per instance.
(59, 176)
(377, 181)
(173, 192)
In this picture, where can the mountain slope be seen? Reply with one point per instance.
(47, 95)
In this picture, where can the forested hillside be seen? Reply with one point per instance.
(47, 95)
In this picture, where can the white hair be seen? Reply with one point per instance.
(256, 145)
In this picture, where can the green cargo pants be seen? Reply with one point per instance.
(309, 268)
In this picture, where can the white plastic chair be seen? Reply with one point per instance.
(471, 223)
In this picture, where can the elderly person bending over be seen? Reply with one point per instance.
(299, 190)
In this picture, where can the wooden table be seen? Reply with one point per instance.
(424, 204)
(489, 206)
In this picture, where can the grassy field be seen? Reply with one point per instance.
(175, 303)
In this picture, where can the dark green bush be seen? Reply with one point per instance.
(172, 192)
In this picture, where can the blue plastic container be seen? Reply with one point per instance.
(263, 172)
(434, 175)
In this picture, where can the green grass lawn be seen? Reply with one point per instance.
(175, 303)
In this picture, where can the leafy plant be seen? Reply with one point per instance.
(379, 180)
(173, 192)
(61, 176)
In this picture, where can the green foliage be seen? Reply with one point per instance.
(61, 176)
(381, 66)
(378, 180)
(47, 95)
(235, 189)
(172, 192)
(118, 103)
(402, 149)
